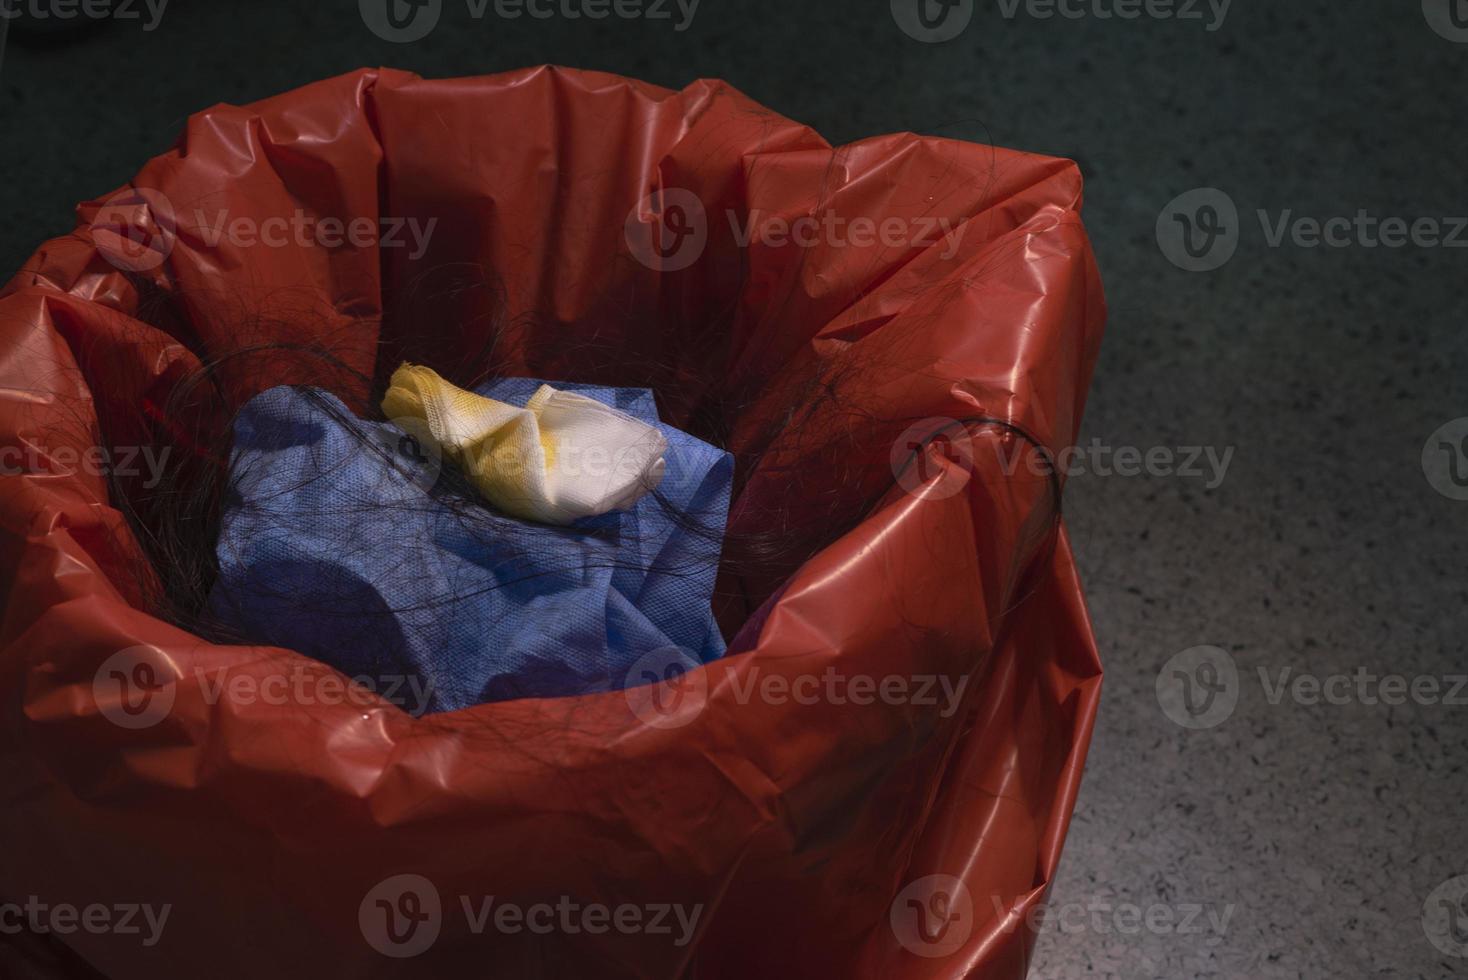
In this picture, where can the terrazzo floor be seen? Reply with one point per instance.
(1300, 839)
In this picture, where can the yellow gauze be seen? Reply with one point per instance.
(562, 457)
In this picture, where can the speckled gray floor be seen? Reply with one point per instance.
(1302, 840)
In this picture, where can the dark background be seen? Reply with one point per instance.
(1316, 832)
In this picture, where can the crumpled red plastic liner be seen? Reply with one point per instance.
(814, 837)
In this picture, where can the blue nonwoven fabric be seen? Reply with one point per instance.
(338, 541)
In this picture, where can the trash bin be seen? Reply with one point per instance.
(892, 338)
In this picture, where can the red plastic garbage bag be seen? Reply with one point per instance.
(875, 782)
